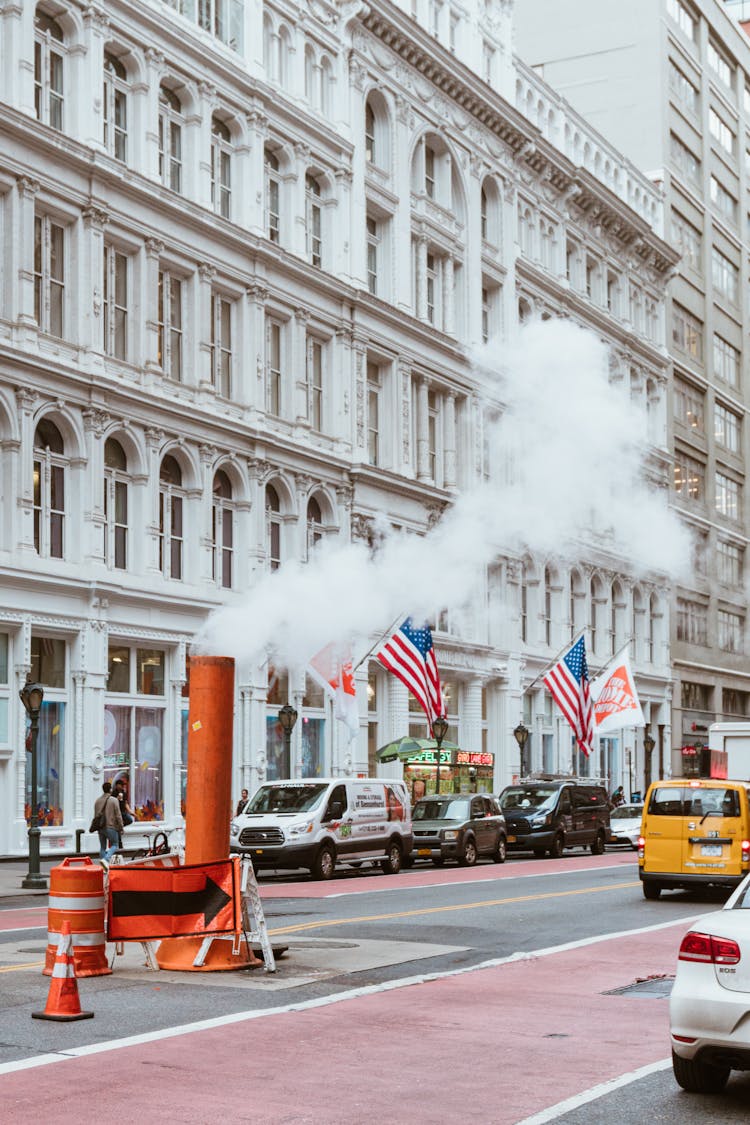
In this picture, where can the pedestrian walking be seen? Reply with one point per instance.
(242, 802)
(127, 814)
(107, 822)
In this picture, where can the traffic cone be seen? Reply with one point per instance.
(62, 1002)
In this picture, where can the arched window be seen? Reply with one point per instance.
(49, 69)
(371, 148)
(638, 623)
(617, 617)
(170, 139)
(50, 467)
(653, 630)
(170, 518)
(273, 196)
(490, 212)
(326, 83)
(309, 75)
(115, 107)
(313, 220)
(222, 530)
(524, 601)
(273, 527)
(597, 609)
(314, 524)
(548, 583)
(270, 55)
(221, 167)
(377, 131)
(577, 603)
(115, 505)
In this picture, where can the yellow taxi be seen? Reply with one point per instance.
(694, 832)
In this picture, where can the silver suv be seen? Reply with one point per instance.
(458, 826)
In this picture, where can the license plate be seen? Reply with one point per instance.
(259, 851)
(511, 839)
(423, 851)
(711, 849)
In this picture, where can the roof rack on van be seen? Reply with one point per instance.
(532, 777)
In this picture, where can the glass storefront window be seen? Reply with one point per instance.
(313, 747)
(133, 739)
(49, 750)
(150, 664)
(118, 668)
(277, 756)
(48, 661)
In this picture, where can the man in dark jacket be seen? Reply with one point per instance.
(109, 836)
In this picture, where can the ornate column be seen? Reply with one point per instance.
(449, 295)
(153, 249)
(298, 408)
(470, 736)
(90, 70)
(205, 506)
(345, 498)
(203, 319)
(421, 287)
(17, 71)
(155, 67)
(25, 404)
(423, 433)
(22, 250)
(403, 455)
(255, 368)
(298, 216)
(302, 484)
(202, 132)
(257, 472)
(254, 205)
(449, 439)
(94, 424)
(154, 440)
(91, 279)
(360, 419)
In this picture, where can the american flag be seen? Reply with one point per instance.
(568, 683)
(410, 656)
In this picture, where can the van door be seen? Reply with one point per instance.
(664, 830)
(369, 818)
(713, 836)
(337, 819)
(483, 828)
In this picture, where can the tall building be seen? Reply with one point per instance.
(245, 258)
(668, 82)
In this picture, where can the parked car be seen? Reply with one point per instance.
(551, 814)
(462, 827)
(711, 997)
(625, 825)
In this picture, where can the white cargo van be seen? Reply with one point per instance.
(320, 822)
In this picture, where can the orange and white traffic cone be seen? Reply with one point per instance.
(62, 1002)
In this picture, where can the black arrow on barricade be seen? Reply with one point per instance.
(208, 902)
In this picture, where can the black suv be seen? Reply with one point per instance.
(549, 815)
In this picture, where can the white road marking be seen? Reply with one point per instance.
(555, 1111)
(320, 1002)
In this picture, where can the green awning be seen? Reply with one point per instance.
(407, 747)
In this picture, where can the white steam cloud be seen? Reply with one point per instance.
(575, 450)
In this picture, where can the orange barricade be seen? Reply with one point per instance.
(76, 895)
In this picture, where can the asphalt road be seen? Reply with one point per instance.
(363, 934)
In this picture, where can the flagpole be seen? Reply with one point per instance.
(390, 629)
(565, 648)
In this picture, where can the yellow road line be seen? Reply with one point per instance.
(444, 909)
(17, 968)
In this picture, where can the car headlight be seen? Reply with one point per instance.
(234, 828)
(540, 821)
(450, 834)
(300, 829)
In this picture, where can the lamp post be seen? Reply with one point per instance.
(648, 746)
(439, 730)
(31, 695)
(287, 718)
(521, 735)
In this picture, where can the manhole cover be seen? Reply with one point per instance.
(657, 987)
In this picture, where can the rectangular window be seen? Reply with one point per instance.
(726, 362)
(373, 414)
(221, 345)
(729, 563)
(115, 303)
(684, 160)
(133, 754)
(485, 315)
(689, 478)
(115, 521)
(429, 172)
(50, 753)
(687, 239)
(433, 417)
(221, 175)
(734, 702)
(727, 428)
(687, 332)
(725, 276)
(273, 367)
(731, 631)
(723, 201)
(373, 242)
(49, 275)
(688, 406)
(48, 79)
(432, 287)
(48, 661)
(692, 622)
(315, 383)
(719, 65)
(683, 89)
(48, 505)
(728, 495)
(696, 697)
(682, 18)
(169, 322)
(721, 132)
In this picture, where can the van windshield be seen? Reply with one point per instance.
(441, 810)
(526, 797)
(694, 801)
(286, 799)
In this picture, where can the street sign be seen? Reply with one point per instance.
(156, 902)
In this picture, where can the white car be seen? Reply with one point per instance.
(709, 1009)
(625, 825)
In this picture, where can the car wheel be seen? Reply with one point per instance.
(697, 1077)
(325, 863)
(469, 858)
(597, 848)
(501, 851)
(651, 891)
(391, 865)
(557, 848)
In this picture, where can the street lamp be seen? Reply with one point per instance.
(439, 730)
(287, 718)
(31, 695)
(521, 735)
(649, 742)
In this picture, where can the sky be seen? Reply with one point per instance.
(571, 453)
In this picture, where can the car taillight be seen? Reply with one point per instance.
(746, 851)
(641, 847)
(709, 949)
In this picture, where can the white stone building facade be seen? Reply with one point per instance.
(245, 251)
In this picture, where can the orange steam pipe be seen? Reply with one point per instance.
(208, 799)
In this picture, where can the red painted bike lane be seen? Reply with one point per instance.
(509, 1040)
